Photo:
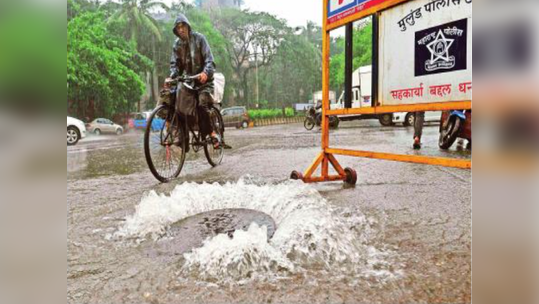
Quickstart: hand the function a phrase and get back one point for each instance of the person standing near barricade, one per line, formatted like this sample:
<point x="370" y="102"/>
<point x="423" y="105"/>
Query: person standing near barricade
<point x="419" y="119"/>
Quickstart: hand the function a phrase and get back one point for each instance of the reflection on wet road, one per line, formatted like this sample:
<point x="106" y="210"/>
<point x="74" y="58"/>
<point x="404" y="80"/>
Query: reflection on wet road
<point x="401" y="235"/>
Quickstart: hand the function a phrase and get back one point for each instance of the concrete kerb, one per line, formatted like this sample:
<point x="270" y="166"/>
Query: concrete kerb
<point x="277" y="121"/>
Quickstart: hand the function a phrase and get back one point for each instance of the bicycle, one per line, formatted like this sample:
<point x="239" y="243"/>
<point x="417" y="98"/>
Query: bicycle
<point x="168" y="136"/>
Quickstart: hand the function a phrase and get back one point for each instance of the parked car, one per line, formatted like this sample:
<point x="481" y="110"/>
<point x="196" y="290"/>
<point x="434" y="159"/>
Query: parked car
<point x="102" y="125"/>
<point x="140" y="121"/>
<point x="408" y="119"/>
<point x="236" y="117"/>
<point x="75" y="131"/>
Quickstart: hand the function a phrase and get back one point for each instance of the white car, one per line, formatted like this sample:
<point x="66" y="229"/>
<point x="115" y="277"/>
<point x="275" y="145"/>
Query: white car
<point x="408" y="119"/>
<point x="75" y="131"/>
<point x="103" y="125"/>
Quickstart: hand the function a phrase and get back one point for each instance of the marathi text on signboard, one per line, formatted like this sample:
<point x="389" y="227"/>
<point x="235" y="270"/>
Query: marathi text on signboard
<point x="426" y="52"/>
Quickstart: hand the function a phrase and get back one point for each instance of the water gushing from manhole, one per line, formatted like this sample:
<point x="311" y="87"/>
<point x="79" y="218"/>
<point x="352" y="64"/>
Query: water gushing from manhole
<point x="191" y="232"/>
<point x="311" y="235"/>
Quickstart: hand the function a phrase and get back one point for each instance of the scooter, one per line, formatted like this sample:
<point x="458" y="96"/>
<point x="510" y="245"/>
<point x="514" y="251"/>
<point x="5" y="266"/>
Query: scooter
<point x="455" y="124"/>
<point x="314" y="117"/>
<point x="333" y="120"/>
<point x="310" y="119"/>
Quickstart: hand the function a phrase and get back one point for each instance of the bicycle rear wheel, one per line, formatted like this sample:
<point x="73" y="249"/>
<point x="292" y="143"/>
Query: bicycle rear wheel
<point x="165" y="144"/>
<point x="215" y="155"/>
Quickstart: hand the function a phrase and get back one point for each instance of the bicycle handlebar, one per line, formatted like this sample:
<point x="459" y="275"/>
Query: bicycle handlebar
<point x="184" y="80"/>
<point x="188" y="78"/>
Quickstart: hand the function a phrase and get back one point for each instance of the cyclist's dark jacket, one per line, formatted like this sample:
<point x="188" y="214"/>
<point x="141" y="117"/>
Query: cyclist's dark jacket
<point x="192" y="57"/>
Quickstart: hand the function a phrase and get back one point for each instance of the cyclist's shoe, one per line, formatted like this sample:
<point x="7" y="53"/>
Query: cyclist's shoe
<point x="417" y="143"/>
<point x="215" y="140"/>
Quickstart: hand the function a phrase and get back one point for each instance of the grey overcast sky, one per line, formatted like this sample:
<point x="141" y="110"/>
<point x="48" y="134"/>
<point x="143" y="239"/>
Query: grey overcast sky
<point x="296" y="12"/>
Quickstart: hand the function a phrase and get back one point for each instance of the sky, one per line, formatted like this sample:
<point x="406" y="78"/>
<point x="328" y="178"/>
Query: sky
<point x="295" y="12"/>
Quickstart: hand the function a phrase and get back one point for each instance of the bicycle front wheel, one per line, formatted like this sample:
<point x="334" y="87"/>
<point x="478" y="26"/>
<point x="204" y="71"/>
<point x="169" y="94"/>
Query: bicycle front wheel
<point x="215" y="155"/>
<point x="165" y="144"/>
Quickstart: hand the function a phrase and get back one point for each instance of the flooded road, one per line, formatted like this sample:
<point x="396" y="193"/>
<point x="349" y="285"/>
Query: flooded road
<point x="401" y="235"/>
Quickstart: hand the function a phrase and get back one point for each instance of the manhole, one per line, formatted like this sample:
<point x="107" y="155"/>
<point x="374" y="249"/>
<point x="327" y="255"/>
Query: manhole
<point x="191" y="232"/>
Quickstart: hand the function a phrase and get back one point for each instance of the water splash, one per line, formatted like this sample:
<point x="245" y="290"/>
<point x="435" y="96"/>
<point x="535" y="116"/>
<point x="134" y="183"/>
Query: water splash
<point x="247" y="255"/>
<point x="310" y="234"/>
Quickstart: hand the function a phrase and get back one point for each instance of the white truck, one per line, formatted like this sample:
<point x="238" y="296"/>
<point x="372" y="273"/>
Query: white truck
<point x="317" y="97"/>
<point x="361" y="97"/>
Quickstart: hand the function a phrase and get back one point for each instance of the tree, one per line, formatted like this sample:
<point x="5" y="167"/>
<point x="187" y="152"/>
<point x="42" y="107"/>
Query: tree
<point x="140" y="26"/>
<point x="252" y="42"/>
<point x="313" y="34"/>
<point x="362" y="54"/>
<point x="136" y="14"/>
<point x="102" y="69"/>
<point x="296" y="72"/>
<point x="31" y="59"/>
<point x="74" y="7"/>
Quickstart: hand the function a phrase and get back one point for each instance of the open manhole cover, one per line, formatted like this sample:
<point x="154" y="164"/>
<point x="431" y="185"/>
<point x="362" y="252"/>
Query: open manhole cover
<point x="190" y="233"/>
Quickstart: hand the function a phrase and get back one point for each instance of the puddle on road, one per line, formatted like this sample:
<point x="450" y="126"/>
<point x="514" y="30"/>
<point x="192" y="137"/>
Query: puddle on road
<point x="312" y="238"/>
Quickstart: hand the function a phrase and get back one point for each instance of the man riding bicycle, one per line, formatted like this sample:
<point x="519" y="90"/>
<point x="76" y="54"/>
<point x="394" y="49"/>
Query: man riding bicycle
<point x="191" y="55"/>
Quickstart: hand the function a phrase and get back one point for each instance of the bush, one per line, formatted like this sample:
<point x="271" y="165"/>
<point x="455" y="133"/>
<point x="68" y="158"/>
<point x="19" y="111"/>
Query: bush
<point x="270" y="113"/>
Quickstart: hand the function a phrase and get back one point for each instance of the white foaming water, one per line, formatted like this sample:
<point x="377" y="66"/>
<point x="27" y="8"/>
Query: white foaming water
<point x="246" y="255"/>
<point x="310" y="234"/>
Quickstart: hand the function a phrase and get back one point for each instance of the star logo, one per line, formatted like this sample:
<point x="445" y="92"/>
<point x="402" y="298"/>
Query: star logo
<point x="442" y="48"/>
<point x="439" y="48"/>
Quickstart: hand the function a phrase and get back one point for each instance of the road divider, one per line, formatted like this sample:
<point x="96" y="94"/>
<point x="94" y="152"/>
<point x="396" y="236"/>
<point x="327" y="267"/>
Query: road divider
<point x="276" y="121"/>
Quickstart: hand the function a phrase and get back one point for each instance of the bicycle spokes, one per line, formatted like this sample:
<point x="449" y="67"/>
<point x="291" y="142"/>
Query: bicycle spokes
<point x="164" y="145"/>
<point x="214" y="147"/>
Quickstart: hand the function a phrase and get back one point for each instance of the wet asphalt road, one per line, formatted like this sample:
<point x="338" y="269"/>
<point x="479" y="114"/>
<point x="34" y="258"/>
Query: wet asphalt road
<point x="424" y="212"/>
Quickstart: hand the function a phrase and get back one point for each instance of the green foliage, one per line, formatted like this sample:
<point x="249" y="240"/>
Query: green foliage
<point x="289" y="112"/>
<point x="31" y="57"/>
<point x="252" y="41"/>
<point x="270" y="113"/>
<point x="263" y="104"/>
<point x="203" y="24"/>
<point x="264" y="61"/>
<point x="362" y="53"/>
<point x="102" y="69"/>
<point x="75" y="7"/>
<point x="295" y="73"/>
<point x="136" y="15"/>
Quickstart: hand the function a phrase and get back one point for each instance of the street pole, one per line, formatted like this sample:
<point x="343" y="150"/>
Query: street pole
<point x="256" y="68"/>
